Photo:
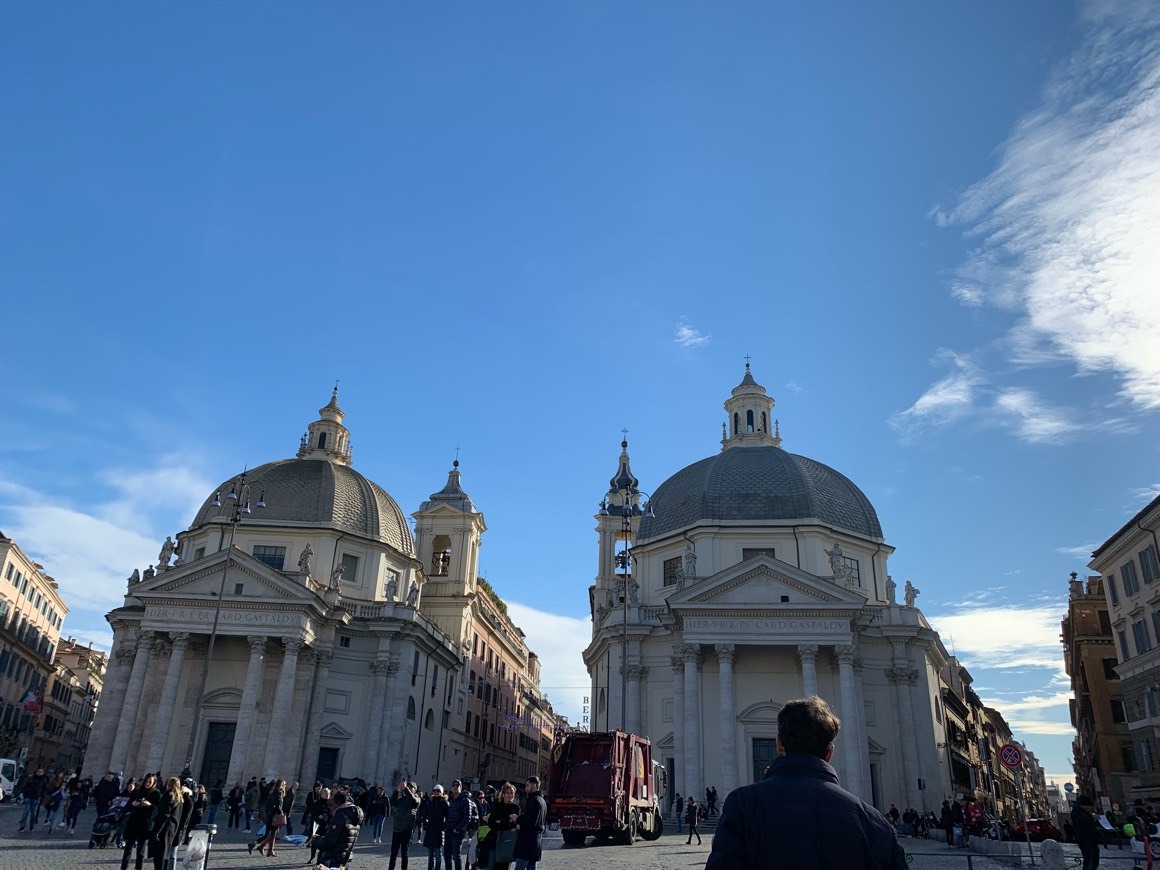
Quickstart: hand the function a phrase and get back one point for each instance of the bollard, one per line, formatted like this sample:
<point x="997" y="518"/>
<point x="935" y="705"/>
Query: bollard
<point x="970" y="863"/>
<point x="197" y="852"/>
<point x="1052" y="854"/>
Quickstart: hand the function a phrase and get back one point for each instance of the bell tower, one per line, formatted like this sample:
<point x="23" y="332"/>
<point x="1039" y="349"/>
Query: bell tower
<point x="448" y="535"/>
<point x="750" y="420"/>
<point x="617" y="524"/>
<point x="326" y="438"/>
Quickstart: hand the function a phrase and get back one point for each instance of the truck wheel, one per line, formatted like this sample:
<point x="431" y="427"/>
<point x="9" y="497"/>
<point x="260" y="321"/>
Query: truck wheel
<point x="654" y="831"/>
<point x="630" y="834"/>
<point x="574" y="838"/>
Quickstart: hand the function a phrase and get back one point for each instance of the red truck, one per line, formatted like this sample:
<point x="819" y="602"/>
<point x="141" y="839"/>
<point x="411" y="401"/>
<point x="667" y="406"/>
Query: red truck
<point x="606" y="785"/>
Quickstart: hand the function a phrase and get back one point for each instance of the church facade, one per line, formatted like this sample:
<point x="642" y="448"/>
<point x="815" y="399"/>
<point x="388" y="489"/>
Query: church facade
<point x="749" y="578"/>
<point x="304" y="632"/>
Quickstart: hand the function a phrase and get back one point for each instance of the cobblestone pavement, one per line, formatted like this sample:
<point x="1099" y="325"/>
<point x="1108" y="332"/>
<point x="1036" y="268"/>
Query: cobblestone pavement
<point x="59" y="851"/>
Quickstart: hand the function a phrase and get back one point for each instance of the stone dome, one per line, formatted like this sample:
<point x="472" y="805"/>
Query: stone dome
<point x="759" y="484"/>
<point x="317" y="493"/>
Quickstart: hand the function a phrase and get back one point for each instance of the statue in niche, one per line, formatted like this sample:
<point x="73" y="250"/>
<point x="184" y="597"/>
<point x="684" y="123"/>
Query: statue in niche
<point x="413" y="595"/>
<point x="304" y="559"/>
<point x="910" y="593"/>
<point x="690" y="562"/>
<point x="166" y="553"/>
<point x="135" y="577"/>
<point x="392" y="587"/>
<point x="837" y="566"/>
<point x="600" y="611"/>
<point x="891" y="586"/>
<point x="633" y="589"/>
<point x="336" y="576"/>
<point x="148" y="575"/>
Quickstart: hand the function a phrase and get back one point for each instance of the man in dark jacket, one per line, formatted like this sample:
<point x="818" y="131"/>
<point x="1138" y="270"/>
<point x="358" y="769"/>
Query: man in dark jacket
<point x="462" y="817"/>
<point x="32" y="793"/>
<point x="342" y="831"/>
<point x="532" y="821"/>
<point x="404" y="809"/>
<point x="1086" y="831"/>
<point x="104" y="792"/>
<point x="798" y="816"/>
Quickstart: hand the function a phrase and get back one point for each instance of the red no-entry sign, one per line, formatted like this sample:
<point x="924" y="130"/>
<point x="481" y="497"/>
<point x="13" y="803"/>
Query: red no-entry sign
<point x="1010" y="755"/>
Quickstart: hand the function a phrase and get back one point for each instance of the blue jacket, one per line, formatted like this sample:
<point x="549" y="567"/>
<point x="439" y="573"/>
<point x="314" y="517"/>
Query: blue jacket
<point x="798" y="816"/>
<point x="462" y="816"/>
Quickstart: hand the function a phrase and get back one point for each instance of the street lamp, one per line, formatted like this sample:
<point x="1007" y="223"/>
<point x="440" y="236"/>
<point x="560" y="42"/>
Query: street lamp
<point x="239" y="494"/>
<point x="624" y="563"/>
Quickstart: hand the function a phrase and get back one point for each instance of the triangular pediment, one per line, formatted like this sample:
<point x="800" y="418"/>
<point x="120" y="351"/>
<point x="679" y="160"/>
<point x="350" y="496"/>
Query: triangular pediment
<point x="761" y="583"/>
<point x="335" y="731"/>
<point x="203" y="580"/>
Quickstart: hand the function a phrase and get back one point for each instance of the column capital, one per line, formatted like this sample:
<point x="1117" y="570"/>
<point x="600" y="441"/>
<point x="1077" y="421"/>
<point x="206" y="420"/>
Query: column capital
<point x="146" y="639"/>
<point x="807" y="652"/>
<point x="678" y="664"/>
<point x="380" y="668"/>
<point x="392" y="667"/>
<point x="257" y="643"/>
<point x="726" y="652"/>
<point x="323" y="657"/>
<point x="845" y="654"/>
<point x="691" y="652"/>
<point x="908" y="676"/>
<point x="180" y="640"/>
<point x="124" y="654"/>
<point x="635" y="672"/>
<point x="292" y="645"/>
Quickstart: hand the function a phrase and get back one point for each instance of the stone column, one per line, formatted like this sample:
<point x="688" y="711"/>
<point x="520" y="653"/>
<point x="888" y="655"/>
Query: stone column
<point x="725" y="655"/>
<point x="247" y="709"/>
<point x="867" y="781"/>
<point x="373" y="747"/>
<point x="397" y="702"/>
<point x="852" y="741"/>
<point x="678" y="664"/>
<point x="110" y="709"/>
<point x="692" y="657"/>
<point x="309" y="766"/>
<point x="127" y="716"/>
<point x="159" y="726"/>
<point x="633" y="717"/>
<point x="808" y="655"/>
<point x="383" y="771"/>
<point x="903" y="678"/>
<point x="275" y="760"/>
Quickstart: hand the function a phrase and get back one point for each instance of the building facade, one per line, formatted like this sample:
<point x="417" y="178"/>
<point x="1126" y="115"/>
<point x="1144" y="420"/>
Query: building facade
<point x="1129" y="567"/>
<point x="31" y="615"/>
<point x="299" y="596"/>
<point x="70" y="703"/>
<point x="1102" y="750"/>
<point x="752" y="577"/>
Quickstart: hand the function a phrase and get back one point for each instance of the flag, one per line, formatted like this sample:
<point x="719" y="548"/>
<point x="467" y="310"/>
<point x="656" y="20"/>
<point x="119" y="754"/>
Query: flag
<point x="33" y="703"/>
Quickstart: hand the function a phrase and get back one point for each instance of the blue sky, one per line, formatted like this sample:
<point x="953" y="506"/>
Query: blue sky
<point x="516" y="229"/>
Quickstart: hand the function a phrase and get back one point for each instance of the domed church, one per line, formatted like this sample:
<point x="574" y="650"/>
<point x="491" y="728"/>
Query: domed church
<point x="304" y="632"/>
<point x="749" y="578"/>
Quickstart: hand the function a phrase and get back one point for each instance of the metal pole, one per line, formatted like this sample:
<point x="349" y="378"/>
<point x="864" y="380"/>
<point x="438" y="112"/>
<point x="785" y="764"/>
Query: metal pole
<point x="625" y="528"/>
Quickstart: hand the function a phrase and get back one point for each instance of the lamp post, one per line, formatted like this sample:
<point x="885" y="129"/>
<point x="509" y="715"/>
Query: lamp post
<point x="624" y="563"/>
<point x="239" y="494"/>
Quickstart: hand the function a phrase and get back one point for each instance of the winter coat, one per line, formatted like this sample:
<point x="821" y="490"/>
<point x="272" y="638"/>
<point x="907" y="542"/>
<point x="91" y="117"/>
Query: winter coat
<point x="271" y="808"/>
<point x="35" y="788"/>
<point x="341" y="833"/>
<point x="461" y="814"/>
<point x="253" y="796"/>
<point x="435" y="819"/>
<point x="139" y="821"/>
<point x="166" y="825"/>
<point x="377" y="806"/>
<point x="404" y="809"/>
<point x="1084" y="828"/>
<point x="532" y="821"/>
<point x="798" y="816"/>
<point x="692" y="814"/>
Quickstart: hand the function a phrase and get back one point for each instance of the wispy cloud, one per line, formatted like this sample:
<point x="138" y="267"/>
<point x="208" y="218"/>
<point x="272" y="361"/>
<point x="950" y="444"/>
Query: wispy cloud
<point x="1081" y="551"/>
<point x="795" y="388"/>
<point x="1004" y="635"/>
<point x="1068" y="220"/>
<point x="1146" y="493"/>
<point x="558" y="641"/>
<point x="1034" y="420"/>
<point x="688" y="336"/>
<point x="948" y="400"/>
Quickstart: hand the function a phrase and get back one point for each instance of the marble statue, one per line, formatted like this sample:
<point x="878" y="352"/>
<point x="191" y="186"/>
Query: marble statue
<point x="336" y="576"/>
<point x="392" y="588"/>
<point x="890" y="587"/>
<point x="135" y="577"/>
<point x="633" y="589"/>
<point x="910" y="593"/>
<point x="166" y="553"/>
<point x="148" y="575"/>
<point x="413" y="595"/>
<point x="690" y="562"/>
<point x="304" y="559"/>
<point x="837" y="566"/>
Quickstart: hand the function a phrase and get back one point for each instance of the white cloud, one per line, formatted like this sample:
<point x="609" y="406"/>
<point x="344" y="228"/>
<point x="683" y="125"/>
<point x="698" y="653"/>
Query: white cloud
<point x="559" y="642"/>
<point x="1067" y="222"/>
<point x="1034" y="420"/>
<point x="795" y="388"/>
<point x="1005" y="635"/>
<point x="946" y="401"/>
<point x="1083" y="551"/>
<point x="687" y="336"/>
<point x="1146" y="493"/>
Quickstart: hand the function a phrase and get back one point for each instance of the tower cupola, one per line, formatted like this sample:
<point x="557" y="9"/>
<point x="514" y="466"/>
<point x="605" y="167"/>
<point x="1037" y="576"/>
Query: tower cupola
<point x="326" y="438"/>
<point x="750" y="416"/>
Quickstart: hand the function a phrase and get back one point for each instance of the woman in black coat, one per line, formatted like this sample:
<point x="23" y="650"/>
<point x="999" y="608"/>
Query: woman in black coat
<point x="166" y="823"/>
<point x="503" y="816"/>
<point x="143" y="800"/>
<point x="435" y="820"/>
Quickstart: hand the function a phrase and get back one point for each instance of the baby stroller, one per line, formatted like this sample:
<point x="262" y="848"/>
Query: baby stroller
<point x="107" y="823"/>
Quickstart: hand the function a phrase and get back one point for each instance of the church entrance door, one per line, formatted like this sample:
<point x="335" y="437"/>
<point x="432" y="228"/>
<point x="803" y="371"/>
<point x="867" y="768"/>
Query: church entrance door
<point x="764" y="752"/>
<point x="327" y="765"/>
<point x="215" y="762"/>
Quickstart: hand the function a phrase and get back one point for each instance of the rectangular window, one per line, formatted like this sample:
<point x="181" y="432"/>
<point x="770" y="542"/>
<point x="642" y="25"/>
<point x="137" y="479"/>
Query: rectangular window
<point x="1105" y="623"/>
<point x="415" y="669"/>
<point x="199" y="553"/>
<point x="344" y="641"/>
<point x="8" y="573"/>
<point x="1110" y="670"/>
<point x="1140" y="635"/>
<point x="1153" y="709"/>
<point x="672" y="571"/>
<point x="475" y="646"/>
<point x="1128" y="758"/>
<point x="349" y="568"/>
<point x="471" y="684"/>
<point x="1123" y="638"/>
<point x="1149" y="565"/>
<point x="1144" y="755"/>
<point x="1110" y="582"/>
<point x="1128" y="575"/>
<point x="1118" y="714"/>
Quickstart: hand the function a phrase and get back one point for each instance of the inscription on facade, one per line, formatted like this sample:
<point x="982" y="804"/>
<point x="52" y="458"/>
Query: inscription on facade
<point x="228" y="617"/>
<point x="766" y="626"/>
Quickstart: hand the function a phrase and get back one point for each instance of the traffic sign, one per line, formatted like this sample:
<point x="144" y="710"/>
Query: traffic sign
<point x="1068" y="787"/>
<point x="1010" y="755"/>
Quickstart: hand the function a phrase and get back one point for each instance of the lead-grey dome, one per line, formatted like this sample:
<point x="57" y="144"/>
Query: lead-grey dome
<point x="315" y="492"/>
<point x="759" y="483"/>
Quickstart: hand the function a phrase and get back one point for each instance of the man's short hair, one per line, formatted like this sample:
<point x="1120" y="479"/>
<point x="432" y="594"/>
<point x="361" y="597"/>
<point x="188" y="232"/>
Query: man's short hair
<point x="1085" y="801"/>
<point x="807" y="725"/>
<point x="534" y="780"/>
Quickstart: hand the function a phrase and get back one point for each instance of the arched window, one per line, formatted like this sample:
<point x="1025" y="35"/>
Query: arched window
<point x="321" y="440"/>
<point x="748" y="421"/>
<point x="429" y="720"/>
<point x="736" y="424"/>
<point x="411" y="709"/>
<point x="764" y="425"/>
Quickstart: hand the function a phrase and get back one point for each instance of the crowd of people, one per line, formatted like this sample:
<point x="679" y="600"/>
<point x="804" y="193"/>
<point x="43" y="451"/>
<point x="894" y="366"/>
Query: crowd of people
<point x="147" y="816"/>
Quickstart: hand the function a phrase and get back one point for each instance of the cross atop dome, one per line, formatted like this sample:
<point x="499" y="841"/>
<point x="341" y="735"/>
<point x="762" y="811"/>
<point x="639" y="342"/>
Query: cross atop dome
<point x="326" y="438"/>
<point x="750" y="415"/>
